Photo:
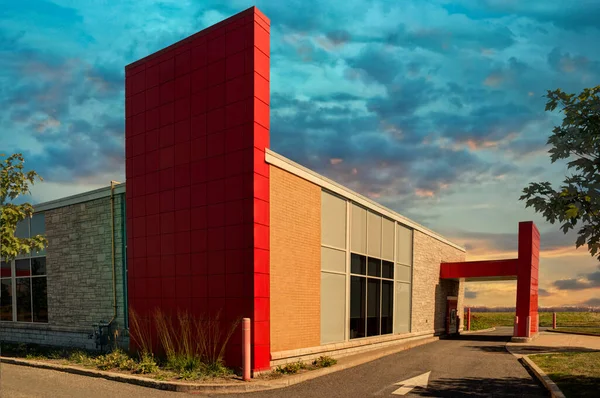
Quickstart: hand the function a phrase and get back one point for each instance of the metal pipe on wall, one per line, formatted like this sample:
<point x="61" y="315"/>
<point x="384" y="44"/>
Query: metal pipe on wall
<point x="112" y="240"/>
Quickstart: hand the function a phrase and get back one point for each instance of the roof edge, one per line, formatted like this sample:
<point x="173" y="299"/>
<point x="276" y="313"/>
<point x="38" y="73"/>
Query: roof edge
<point x="286" y="164"/>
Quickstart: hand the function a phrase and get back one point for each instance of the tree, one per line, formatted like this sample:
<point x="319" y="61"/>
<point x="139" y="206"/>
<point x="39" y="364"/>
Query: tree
<point x="14" y="182"/>
<point x="576" y="203"/>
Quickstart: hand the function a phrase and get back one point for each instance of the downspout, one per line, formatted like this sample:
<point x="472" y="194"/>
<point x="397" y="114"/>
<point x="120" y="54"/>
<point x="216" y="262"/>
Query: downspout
<point x="124" y="261"/>
<point x="112" y="244"/>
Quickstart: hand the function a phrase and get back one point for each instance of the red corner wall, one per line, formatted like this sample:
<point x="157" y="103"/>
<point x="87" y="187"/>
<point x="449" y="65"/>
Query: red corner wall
<point x="197" y="125"/>
<point x="527" y="278"/>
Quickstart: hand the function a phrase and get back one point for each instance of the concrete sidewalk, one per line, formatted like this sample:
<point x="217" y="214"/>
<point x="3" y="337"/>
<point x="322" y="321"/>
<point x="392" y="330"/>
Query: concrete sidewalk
<point x="555" y="342"/>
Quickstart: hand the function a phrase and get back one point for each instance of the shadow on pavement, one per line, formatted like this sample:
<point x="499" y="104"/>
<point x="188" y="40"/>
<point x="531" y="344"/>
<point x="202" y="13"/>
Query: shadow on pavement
<point x="532" y="349"/>
<point x="483" y="337"/>
<point x="482" y="387"/>
<point x="489" y="348"/>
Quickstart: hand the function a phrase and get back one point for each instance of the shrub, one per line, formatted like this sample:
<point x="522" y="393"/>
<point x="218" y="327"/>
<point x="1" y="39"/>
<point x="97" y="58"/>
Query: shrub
<point x="324" y="361"/>
<point x="115" y="360"/>
<point x="146" y="365"/>
<point x="290" y="368"/>
<point x="81" y="357"/>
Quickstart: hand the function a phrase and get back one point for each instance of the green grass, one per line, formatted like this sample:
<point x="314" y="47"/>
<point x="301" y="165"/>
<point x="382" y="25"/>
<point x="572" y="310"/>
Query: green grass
<point x="577" y="374"/>
<point x="595" y="331"/>
<point x="485" y="320"/>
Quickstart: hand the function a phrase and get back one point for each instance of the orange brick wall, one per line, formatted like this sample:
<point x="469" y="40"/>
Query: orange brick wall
<point x="295" y="262"/>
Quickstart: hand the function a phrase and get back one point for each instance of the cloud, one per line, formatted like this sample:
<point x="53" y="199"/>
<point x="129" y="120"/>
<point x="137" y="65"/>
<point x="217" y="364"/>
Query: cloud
<point x="544" y="293"/>
<point x="469" y="294"/>
<point x="585" y="281"/>
<point x="594" y="302"/>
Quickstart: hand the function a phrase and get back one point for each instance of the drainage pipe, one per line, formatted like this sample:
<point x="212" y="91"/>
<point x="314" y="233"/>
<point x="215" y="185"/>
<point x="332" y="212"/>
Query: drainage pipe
<point x="112" y="243"/>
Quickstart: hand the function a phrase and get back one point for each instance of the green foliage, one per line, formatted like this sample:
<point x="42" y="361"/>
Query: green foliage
<point x="577" y="201"/>
<point x="146" y="365"/>
<point x="324" y="361"/>
<point x="14" y="182"/>
<point x="116" y="359"/>
<point x="291" y="368"/>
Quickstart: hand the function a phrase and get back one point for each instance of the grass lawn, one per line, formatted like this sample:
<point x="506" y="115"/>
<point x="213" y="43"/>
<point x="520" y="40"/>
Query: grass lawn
<point x="593" y="331"/>
<point x="565" y="320"/>
<point x="577" y="374"/>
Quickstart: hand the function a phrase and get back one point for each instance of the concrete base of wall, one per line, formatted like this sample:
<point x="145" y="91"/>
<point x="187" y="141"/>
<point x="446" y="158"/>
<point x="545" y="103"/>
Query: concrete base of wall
<point x="341" y="350"/>
<point x="52" y="336"/>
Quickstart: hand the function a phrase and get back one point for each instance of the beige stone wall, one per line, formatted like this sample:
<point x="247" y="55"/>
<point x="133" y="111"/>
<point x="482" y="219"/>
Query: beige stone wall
<point x="429" y="293"/>
<point x="295" y="262"/>
<point x="79" y="276"/>
<point x="80" y="291"/>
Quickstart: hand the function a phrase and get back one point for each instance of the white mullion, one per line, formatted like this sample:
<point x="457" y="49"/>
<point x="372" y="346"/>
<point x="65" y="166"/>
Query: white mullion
<point x="347" y="269"/>
<point x="367" y="273"/>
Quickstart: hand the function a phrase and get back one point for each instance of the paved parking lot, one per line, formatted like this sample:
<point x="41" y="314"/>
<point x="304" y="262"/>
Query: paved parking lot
<point x="473" y="365"/>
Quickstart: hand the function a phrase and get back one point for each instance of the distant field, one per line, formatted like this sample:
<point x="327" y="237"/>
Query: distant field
<point x="570" y="320"/>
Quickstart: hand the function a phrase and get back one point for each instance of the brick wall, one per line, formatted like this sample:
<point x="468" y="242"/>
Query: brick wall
<point x="429" y="292"/>
<point x="79" y="275"/>
<point x="295" y="262"/>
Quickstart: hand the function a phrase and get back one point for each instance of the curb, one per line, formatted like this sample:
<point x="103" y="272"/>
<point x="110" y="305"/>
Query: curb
<point x="478" y="331"/>
<point x="577" y="333"/>
<point x="240" y="387"/>
<point x="142" y="381"/>
<point x="555" y="392"/>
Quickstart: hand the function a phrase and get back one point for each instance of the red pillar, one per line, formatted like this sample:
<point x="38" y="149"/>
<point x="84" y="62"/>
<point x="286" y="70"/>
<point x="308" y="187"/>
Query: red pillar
<point x="554" y="320"/>
<point x="197" y="126"/>
<point x="527" y="278"/>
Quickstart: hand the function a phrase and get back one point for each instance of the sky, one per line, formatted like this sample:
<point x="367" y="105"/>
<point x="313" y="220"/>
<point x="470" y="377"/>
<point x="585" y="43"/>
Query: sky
<point x="432" y="108"/>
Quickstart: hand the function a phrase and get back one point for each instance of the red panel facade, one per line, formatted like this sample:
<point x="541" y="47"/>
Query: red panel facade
<point x="525" y="268"/>
<point x="527" y="282"/>
<point x="479" y="269"/>
<point x="197" y="126"/>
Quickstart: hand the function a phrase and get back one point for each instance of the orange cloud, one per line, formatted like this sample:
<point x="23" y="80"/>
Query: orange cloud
<point x="335" y="161"/>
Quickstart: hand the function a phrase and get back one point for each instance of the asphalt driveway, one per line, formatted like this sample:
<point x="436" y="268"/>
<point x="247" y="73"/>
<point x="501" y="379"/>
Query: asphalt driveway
<point x="473" y="365"/>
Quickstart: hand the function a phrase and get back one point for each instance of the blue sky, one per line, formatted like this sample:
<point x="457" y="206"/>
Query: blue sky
<point x="433" y="108"/>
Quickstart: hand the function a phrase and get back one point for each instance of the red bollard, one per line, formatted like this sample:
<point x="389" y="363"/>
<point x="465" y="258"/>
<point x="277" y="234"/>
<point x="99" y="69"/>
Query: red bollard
<point x="246" y="349"/>
<point x="554" y="320"/>
<point x="468" y="319"/>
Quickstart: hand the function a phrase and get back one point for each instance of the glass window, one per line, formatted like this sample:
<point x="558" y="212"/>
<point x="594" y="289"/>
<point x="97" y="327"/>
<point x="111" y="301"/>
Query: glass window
<point x="5" y="271"/>
<point x="40" y="299"/>
<point x="6" y="298"/>
<point x="333" y="260"/>
<point x="22" y="267"/>
<point x="374" y="267"/>
<point x="38" y="224"/>
<point x="357" y="306"/>
<point x="358" y="237"/>
<point x="22" y="230"/>
<point x="387" y="269"/>
<point x="359" y="264"/>
<point x="387" y="306"/>
<point x="333" y="220"/>
<point x="402" y="318"/>
<point x="38" y="266"/>
<point x="333" y="307"/>
<point x="404" y="244"/>
<point x="373" y="303"/>
<point x="23" y="299"/>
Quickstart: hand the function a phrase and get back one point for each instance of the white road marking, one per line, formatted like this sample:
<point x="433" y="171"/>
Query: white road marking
<point x="408" y="385"/>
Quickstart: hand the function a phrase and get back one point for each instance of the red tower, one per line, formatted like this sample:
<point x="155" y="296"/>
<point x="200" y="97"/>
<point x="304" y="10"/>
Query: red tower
<point x="197" y="125"/>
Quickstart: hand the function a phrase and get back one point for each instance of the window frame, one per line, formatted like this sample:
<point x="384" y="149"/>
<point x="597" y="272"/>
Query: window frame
<point x="14" y="278"/>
